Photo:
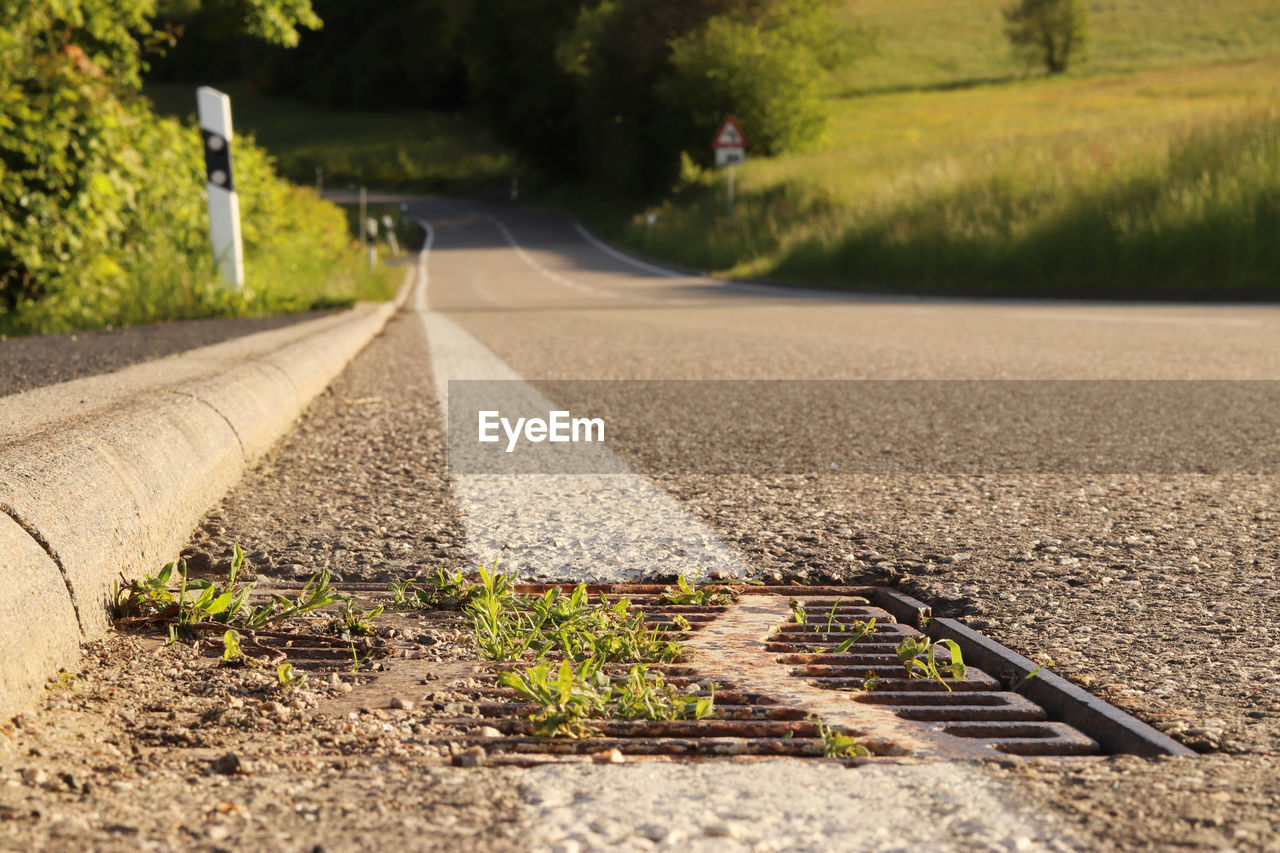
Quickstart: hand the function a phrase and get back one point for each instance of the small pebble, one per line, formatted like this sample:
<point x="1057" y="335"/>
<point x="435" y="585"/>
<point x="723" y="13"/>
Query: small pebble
<point x="401" y="704"/>
<point x="473" y="757"/>
<point x="227" y="765"/>
<point x="720" y="830"/>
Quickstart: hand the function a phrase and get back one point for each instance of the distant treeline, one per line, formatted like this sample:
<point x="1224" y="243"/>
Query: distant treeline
<point x="612" y="91"/>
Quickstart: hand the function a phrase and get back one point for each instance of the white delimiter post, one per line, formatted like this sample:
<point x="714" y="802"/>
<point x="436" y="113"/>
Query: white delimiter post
<point x="224" y="205"/>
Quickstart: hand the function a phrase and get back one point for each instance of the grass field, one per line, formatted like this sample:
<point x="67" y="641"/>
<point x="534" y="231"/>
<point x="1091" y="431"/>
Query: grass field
<point x="412" y="150"/>
<point x="1152" y="168"/>
<point x="931" y="43"/>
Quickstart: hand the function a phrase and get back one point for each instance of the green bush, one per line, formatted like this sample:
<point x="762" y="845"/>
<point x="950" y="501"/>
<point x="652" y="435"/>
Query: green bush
<point x="102" y="206"/>
<point x="770" y="84"/>
<point x="654" y="79"/>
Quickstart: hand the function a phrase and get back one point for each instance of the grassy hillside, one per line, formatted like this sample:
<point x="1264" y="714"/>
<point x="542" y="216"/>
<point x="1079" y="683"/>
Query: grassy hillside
<point x="1152" y="168"/>
<point x="926" y="43"/>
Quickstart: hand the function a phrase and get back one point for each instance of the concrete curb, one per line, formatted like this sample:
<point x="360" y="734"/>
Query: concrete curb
<point x="108" y="475"/>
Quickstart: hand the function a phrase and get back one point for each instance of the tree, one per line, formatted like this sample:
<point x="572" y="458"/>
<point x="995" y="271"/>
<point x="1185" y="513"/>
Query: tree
<point x="1048" y="32"/>
<point x="654" y="78"/>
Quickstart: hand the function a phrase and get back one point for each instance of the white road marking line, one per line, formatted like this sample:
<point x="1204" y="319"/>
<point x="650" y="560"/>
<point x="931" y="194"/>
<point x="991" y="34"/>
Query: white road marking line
<point x="420" y="292"/>
<point x="571" y="284"/>
<point x="610" y="526"/>
<point x="544" y="271"/>
<point x="636" y="262"/>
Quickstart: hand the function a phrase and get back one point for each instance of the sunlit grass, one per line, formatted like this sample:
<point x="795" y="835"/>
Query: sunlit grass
<point x="410" y="149"/>
<point x="1160" y="182"/>
<point x="950" y="42"/>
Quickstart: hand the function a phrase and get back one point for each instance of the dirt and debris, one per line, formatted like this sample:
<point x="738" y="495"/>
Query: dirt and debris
<point x="155" y="746"/>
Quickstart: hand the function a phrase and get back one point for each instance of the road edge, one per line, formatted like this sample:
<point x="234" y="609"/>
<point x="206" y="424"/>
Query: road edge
<point x="119" y="490"/>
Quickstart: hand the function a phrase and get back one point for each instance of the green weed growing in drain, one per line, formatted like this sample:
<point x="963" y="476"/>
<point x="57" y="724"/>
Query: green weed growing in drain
<point x="693" y="593"/>
<point x="857" y="631"/>
<point x="354" y="622"/>
<point x="573" y="697"/>
<point x="508" y="626"/>
<point x="288" y="679"/>
<point x="798" y="613"/>
<point x="836" y="744"/>
<point x="918" y="658"/>
<point x="444" y="591"/>
<point x="645" y="695"/>
<point x="317" y="593"/>
<point x="201" y="604"/>
<point x="232" y="654"/>
<point x="567" y="700"/>
<point x="1032" y="674"/>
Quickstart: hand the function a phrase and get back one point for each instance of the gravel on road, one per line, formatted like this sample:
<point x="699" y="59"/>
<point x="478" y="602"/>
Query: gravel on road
<point x="359" y="487"/>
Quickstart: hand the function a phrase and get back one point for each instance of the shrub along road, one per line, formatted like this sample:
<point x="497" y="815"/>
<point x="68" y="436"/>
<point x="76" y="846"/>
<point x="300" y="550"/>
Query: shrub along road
<point x="1153" y="585"/>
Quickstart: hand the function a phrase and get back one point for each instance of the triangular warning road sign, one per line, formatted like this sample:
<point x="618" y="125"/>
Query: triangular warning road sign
<point x="729" y="135"/>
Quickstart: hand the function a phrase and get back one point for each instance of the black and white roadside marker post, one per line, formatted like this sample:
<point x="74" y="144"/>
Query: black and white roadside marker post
<point x="363" y="218"/>
<point x="224" y="205"/>
<point x="392" y="243"/>
<point x="731" y="150"/>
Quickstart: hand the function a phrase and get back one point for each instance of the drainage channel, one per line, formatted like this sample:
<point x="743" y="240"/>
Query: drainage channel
<point x="782" y="667"/>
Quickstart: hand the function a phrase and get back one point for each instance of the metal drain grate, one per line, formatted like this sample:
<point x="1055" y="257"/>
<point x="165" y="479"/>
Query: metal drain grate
<point x="777" y="678"/>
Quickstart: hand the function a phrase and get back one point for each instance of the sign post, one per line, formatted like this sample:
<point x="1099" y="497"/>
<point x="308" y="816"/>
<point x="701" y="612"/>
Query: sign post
<point x="731" y="150"/>
<point x="224" y="205"/>
<point x="392" y="243"/>
<point x="371" y="231"/>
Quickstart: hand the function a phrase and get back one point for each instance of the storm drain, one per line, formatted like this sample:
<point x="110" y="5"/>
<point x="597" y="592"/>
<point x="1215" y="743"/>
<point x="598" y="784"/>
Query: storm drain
<point x="784" y="671"/>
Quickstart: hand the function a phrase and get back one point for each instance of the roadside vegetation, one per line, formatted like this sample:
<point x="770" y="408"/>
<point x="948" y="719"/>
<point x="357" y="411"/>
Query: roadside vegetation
<point x="1149" y="169"/>
<point x="406" y="150"/>
<point x="1161" y="184"/>
<point x="102" y="207"/>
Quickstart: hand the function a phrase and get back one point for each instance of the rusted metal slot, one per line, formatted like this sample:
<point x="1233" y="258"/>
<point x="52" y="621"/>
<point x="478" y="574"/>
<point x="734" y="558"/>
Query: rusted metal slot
<point x="964" y="713"/>
<point x="808" y="648"/>
<point x="631" y="729"/>
<point x="708" y="746"/>
<point x="1020" y="730"/>
<point x="913" y="697"/>
<point x="812" y="634"/>
<point x="973" y="680"/>
<point x="853" y="657"/>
